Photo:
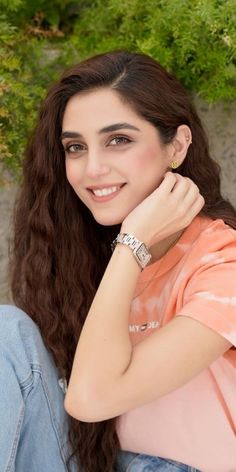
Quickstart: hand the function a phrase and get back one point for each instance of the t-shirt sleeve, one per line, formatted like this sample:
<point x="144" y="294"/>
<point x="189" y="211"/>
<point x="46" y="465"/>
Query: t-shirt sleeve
<point x="210" y="294"/>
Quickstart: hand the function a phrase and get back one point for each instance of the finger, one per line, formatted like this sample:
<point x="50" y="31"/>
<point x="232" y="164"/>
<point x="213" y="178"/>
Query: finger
<point x="191" y="195"/>
<point x="168" y="182"/>
<point x="196" y="207"/>
<point x="182" y="187"/>
<point x="190" y="200"/>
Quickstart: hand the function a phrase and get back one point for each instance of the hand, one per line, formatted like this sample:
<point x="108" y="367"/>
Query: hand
<point x="170" y="208"/>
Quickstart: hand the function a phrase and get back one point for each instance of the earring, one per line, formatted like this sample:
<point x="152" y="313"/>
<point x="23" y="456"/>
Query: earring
<point x="174" y="164"/>
<point x="187" y="139"/>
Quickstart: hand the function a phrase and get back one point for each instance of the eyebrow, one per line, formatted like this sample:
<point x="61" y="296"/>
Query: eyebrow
<point x="107" y="129"/>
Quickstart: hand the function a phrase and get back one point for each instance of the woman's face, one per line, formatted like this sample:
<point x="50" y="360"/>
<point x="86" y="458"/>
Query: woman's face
<point x="114" y="158"/>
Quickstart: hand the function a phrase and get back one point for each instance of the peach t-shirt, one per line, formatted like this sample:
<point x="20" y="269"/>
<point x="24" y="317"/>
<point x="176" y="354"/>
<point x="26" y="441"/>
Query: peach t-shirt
<point x="195" y="424"/>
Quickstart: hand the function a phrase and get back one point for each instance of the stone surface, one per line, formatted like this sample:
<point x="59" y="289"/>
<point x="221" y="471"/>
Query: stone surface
<point x="7" y="196"/>
<point x="220" y="123"/>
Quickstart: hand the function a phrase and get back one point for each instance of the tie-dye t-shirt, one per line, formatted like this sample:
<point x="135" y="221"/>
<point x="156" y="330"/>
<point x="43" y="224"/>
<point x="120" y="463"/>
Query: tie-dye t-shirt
<point x="195" y="424"/>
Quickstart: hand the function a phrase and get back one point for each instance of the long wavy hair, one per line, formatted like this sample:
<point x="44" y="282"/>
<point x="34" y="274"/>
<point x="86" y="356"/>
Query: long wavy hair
<point x="60" y="252"/>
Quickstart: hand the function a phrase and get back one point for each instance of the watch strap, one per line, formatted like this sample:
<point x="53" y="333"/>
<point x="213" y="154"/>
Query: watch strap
<point x="139" y="249"/>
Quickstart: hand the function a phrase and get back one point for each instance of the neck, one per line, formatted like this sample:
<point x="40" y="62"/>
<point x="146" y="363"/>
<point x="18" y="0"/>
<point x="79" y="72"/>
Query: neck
<point x="159" y="249"/>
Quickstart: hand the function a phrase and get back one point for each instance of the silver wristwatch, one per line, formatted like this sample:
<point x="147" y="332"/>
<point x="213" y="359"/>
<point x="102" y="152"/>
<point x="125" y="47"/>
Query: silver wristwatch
<point x="139" y="249"/>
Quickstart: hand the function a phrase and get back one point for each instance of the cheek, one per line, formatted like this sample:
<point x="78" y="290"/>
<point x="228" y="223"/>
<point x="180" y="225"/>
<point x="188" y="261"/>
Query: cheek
<point x="148" y="158"/>
<point x="72" y="173"/>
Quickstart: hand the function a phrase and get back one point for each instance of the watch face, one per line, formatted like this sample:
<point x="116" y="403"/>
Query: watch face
<point x="143" y="255"/>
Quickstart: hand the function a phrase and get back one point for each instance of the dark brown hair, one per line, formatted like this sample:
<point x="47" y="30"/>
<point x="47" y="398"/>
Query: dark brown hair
<point x="60" y="252"/>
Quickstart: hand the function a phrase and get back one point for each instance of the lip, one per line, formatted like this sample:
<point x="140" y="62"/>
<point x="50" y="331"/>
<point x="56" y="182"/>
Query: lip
<point x="105" y="198"/>
<point x="99" y="187"/>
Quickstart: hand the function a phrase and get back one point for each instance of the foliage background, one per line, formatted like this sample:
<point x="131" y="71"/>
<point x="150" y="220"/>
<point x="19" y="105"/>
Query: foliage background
<point x="195" y="39"/>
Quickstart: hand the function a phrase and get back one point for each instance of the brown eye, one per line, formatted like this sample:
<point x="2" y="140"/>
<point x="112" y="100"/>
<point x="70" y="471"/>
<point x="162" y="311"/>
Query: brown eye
<point x="118" y="140"/>
<point x="74" y="148"/>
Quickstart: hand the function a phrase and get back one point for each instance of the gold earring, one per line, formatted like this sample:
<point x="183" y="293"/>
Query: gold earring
<point x="174" y="164"/>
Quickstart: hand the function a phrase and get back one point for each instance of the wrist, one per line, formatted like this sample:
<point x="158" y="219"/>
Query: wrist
<point x="139" y="249"/>
<point x="137" y="233"/>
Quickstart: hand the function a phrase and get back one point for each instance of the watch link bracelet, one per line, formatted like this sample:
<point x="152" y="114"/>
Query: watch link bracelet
<point x="139" y="249"/>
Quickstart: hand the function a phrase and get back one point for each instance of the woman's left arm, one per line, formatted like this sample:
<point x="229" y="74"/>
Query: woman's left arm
<point x="109" y="376"/>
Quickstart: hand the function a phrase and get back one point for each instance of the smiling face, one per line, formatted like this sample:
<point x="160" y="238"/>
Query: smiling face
<point x="114" y="158"/>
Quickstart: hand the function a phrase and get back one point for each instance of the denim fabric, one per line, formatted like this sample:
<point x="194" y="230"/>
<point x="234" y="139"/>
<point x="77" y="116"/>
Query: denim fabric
<point x="33" y="422"/>
<point x="132" y="462"/>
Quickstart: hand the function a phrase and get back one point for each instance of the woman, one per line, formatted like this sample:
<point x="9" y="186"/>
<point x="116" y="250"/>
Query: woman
<point x="154" y="321"/>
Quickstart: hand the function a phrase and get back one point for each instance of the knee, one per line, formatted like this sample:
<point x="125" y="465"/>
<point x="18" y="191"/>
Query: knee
<point x="18" y="333"/>
<point x="12" y="321"/>
<point x="20" y="339"/>
<point x="14" y="326"/>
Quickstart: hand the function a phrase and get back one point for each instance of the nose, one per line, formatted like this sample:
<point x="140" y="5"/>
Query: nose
<point x="96" y="166"/>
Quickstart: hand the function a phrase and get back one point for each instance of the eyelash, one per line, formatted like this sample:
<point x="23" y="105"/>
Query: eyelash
<point x="124" y="139"/>
<point x="68" y="148"/>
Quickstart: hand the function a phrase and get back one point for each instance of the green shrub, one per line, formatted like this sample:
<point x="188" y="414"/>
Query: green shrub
<point x="195" y="39"/>
<point x="30" y="61"/>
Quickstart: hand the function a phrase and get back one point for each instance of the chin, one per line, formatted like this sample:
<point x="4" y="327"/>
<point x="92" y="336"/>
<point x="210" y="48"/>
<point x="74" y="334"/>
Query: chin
<point x="110" y="220"/>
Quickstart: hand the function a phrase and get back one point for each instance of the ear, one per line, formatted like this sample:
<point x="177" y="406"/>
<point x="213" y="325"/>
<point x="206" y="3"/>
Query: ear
<point x="178" y="147"/>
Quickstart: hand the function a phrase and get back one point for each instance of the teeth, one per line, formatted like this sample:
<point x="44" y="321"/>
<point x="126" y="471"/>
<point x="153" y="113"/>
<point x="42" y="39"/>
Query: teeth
<point x="105" y="191"/>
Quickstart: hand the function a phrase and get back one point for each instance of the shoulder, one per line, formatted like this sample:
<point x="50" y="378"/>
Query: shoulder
<point x="209" y="292"/>
<point x="210" y="242"/>
<point x="218" y="229"/>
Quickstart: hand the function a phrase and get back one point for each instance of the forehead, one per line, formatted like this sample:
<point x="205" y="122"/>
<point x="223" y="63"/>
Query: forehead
<point x="98" y="105"/>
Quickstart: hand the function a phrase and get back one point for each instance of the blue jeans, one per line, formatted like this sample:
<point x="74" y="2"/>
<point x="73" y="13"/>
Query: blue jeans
<point x="132" y="462"/>
<point x="33" y="422"/>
